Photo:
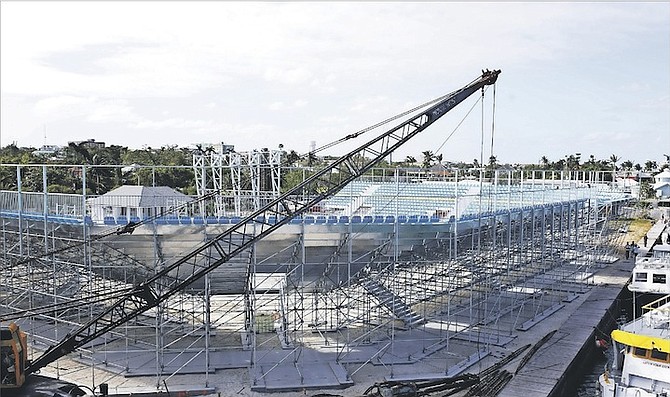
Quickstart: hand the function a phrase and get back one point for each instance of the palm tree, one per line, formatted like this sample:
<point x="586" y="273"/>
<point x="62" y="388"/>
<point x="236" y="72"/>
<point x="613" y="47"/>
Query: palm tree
<point x="650" y="165"/>
<point x="544" y="161"/>
<point x="428" y="157"/>
<point x="614" y="159"/>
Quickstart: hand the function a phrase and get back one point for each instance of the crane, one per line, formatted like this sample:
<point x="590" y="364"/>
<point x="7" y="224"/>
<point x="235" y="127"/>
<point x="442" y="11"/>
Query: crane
<point x="176" y="276"/>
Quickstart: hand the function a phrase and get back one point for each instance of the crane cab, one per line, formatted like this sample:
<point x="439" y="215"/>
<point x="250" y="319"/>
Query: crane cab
<point x="13" y="356"/>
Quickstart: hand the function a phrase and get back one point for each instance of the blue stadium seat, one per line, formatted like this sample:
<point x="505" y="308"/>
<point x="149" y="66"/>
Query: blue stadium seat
<point x="211" y="220"/>
<point x="122" y="220"/>
<point x="109" y="220"/>
<point x="198" y="220"/>
<point x="343" y="219"/>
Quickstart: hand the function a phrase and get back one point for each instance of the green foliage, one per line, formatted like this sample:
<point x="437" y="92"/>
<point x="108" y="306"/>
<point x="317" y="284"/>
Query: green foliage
<point x="103" y="168"/>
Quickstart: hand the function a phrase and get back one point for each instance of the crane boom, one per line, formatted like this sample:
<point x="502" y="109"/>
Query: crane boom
<point x="175" y="277"/>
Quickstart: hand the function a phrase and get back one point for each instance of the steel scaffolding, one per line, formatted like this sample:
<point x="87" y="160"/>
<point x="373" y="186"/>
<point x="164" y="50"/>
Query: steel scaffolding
<point x="357" y="283"/>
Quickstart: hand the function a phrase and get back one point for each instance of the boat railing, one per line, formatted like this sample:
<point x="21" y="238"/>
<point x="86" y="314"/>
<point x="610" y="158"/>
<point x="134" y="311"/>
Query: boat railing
<point x="658" y="312"/>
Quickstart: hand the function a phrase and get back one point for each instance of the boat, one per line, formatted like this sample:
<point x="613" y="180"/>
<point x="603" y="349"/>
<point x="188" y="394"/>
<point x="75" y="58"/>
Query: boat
<point x="652" y="274"/>
<point x="641" y="348"/>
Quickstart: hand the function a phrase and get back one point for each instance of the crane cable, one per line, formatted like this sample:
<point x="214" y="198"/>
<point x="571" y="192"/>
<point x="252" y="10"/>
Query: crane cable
<point x="493" y="119"/>
<point x="444" y="142"/>
<point x="379" y="124"/>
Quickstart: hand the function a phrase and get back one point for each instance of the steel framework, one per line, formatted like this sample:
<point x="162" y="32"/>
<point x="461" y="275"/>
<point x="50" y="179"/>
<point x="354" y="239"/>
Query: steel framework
<point x="407" y="298"/>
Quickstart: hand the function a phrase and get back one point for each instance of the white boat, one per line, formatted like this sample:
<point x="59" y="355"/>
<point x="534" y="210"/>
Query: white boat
<point x="641" y="365"/>
<point x="652" y="274"/>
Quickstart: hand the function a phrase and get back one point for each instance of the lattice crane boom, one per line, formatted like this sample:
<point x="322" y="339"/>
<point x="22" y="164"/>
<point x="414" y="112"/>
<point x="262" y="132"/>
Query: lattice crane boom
<point x="175" y="277"/>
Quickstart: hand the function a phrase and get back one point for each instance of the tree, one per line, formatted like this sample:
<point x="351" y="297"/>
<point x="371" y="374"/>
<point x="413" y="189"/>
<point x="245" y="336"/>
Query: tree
<point x="614" y="159"/>
<point x="544" y="162"/>
<point x="428" y="158"/>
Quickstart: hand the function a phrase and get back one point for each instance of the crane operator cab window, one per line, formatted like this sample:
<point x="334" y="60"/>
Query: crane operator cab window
<point x="12" y="357"/>
<point x="7" y="365"/>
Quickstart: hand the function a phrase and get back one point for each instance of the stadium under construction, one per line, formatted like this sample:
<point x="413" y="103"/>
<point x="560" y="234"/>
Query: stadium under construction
<point x="415" y="274"/>
<point x="349" y="276"/>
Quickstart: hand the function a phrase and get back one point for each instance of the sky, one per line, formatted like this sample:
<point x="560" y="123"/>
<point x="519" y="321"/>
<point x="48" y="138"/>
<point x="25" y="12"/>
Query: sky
<point x="584" y="77"/>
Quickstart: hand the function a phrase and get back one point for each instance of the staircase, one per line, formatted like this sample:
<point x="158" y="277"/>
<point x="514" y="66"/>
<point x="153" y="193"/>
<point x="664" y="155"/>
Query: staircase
<point x="394" y="303"/>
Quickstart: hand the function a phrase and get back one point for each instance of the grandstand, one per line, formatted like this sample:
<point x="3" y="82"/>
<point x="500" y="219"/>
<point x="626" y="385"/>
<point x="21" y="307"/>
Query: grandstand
<point x="345" y="286"/>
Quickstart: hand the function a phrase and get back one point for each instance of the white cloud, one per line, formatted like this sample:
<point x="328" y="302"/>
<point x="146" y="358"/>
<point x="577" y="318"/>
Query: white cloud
<point x="288" y="76"/>
<point x="176" y="123"/>
<point x="279" y="106"/>
<point x="89" y="108"/>
<point x="214" y="65"/>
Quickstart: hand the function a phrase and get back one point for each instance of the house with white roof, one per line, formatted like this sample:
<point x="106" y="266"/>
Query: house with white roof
<point x="131" y="201"/>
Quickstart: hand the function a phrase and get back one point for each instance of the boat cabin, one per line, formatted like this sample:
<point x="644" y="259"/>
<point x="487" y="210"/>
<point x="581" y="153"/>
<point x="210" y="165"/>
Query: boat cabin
<point x="652" y="274"/>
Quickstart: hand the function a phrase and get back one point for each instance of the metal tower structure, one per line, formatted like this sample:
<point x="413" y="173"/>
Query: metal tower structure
<point x="252" y="178"/>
